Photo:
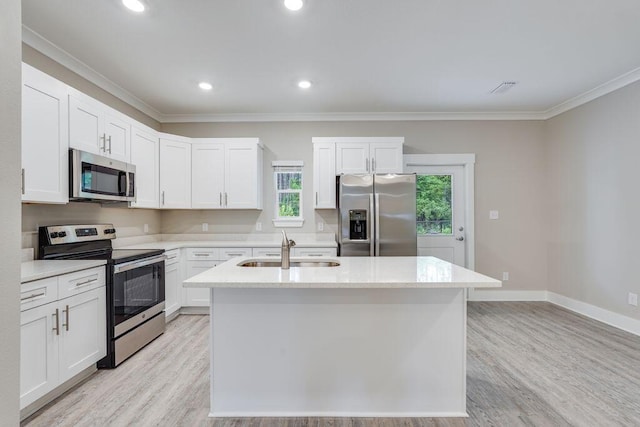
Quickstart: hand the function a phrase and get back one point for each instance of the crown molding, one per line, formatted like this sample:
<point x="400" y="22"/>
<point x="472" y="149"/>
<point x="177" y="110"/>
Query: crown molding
<point x="63" y="57"/>
<point x="604" y="89"/>
<point x="351" y="117"/>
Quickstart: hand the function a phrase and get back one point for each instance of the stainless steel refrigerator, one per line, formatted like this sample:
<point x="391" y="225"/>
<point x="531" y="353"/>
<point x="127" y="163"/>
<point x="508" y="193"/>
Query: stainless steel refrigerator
<point x="377" y="215"/>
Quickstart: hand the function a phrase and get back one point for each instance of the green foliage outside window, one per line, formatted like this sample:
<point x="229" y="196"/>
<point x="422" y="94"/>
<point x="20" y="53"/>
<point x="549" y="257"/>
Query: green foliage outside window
<point x="289" y="188"/>
<point x="433" y="204"/>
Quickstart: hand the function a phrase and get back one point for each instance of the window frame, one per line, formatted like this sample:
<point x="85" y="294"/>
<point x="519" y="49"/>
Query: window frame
<point x="287" y="166"/>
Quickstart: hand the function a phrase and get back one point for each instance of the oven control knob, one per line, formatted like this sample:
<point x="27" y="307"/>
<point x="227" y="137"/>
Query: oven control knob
<point x="53" y="235"/>
<point x="62" y="234"/>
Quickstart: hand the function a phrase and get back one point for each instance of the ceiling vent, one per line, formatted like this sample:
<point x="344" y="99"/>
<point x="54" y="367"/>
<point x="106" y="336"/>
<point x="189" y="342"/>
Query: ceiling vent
<point x="503" y="87"/>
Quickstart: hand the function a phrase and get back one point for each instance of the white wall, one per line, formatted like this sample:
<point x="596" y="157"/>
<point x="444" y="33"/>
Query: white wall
<point x="509" y="171"/>
<point x="594" y="201"/>
<point x="10" y="37"/>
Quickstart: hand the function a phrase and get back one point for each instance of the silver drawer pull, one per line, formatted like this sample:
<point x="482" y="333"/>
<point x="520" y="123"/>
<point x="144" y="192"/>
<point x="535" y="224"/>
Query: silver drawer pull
<point x="272" y="254"/>
<point x="315" y="254"/>
<point x="87" y="282"/>
<point x="33" y="296"/>
<point x="172" y="257"/>
<point x="235" y="254"/>
<point x="201" y="255"/>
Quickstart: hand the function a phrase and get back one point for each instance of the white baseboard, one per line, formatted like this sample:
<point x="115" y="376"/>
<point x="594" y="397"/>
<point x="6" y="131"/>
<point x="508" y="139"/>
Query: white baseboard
<point x="495" y="295"/>
<point x="611" y="318"/>
<point x="330" y="414"/>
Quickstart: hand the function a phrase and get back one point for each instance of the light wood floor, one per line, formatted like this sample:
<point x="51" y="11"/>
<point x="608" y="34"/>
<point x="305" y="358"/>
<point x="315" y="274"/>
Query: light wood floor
<point x="529" y="364"/>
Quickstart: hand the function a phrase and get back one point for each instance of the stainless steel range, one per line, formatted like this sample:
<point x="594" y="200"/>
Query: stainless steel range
<point x="135" y="284"/>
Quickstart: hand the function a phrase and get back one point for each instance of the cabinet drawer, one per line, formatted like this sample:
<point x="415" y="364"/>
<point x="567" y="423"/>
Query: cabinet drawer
<point x="37" y="293"/>
<point x="266" y="252"/>
<point x="80" y="281"/>
<point x="173" y="257"/>
<point x="228" y="253"/>
<point x="199" y="254"/>
<point x="314" y="252"/>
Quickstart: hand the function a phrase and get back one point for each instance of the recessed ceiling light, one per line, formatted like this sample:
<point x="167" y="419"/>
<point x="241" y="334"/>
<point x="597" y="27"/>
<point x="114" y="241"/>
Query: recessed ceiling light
<point x="304" y="84"/>
<point x="205" y="86"/>
<point x="293" y="4"/>
<point x="135" y="5"/>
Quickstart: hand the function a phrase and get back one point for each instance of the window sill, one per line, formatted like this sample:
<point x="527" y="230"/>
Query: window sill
<point x="288" y="222"/>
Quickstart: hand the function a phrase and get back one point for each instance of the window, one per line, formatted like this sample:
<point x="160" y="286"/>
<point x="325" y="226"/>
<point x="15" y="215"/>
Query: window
<point x="287" y="178"/>
<point x="433" y="204"/>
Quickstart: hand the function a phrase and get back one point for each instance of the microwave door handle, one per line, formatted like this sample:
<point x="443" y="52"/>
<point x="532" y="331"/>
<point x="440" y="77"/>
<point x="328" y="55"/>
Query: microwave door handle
<point x="128" y="184"/>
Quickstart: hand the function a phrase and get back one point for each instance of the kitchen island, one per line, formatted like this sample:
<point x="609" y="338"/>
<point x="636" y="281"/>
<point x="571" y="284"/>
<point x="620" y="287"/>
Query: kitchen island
<point x="373" y="336"/>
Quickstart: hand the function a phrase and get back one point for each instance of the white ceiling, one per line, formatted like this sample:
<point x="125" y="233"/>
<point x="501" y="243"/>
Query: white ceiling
<point x="363" y="56"/>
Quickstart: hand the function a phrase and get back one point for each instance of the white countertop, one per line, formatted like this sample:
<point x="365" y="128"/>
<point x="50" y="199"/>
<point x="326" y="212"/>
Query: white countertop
<point x="41" y="269"/>
<point x="353" y="272"/>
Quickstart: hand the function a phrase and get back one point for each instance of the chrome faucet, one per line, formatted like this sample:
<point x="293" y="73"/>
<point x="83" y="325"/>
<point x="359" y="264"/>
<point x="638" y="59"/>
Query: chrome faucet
<point x="285" y="255"/>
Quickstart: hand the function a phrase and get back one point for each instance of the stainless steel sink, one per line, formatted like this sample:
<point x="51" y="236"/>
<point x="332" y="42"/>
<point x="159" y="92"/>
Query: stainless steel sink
<point x="292" y="264"/>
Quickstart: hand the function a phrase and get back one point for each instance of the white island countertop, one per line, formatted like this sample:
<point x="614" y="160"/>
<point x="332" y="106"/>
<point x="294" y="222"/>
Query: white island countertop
<point x="353" y="272"/>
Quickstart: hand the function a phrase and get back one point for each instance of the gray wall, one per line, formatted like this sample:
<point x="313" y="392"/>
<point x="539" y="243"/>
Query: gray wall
<point x="594" y="203"/>
<point x="509" y="172"/>
<point x="10" y="37"/>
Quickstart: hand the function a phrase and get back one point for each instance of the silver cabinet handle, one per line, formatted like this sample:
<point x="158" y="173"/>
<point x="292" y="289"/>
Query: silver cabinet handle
<point x="226" y="199"/>
<point x="109" y="144"/>
<point x="66" y="317"/>
<point x="56" y="328"/>
<point x="460" y="239"/>
<point x="86" y="282"/>
<point x="373" y="164"/>
<point x="316" y="198"/>
<point x="201" y="254"/>
<point x="370" y="227"/>
<point x="171" y="257"/>
<point x="272" y="254"/>
<point x="232" y="254"/>
<point x="22" y="178"/>
<point x="162" y="198"/>
<point x="103" y="138"/>
<point x="367" y="162"/>
<point x="32" y="296"/>
<point x="377" y="224"/>
<point x="220" y="199"/>
<point x="314" y="255"/>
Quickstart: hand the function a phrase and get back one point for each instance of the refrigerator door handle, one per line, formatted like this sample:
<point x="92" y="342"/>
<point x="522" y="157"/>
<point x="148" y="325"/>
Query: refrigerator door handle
<point x="372" y="226"/>
<point x="377" y="224"/>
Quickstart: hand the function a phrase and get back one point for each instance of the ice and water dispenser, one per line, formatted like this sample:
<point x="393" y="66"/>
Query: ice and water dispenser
<point x="358" y="224"/>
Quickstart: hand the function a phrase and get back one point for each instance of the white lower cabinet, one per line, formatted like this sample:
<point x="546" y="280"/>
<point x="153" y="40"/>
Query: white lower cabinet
<point x="197" y="297"/>
<point x="60" y="339"/>
<point x="172" y="282"/>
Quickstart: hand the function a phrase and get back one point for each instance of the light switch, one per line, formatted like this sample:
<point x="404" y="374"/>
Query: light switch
<point x="258" y="226"/>
<point x="494" y="214"/>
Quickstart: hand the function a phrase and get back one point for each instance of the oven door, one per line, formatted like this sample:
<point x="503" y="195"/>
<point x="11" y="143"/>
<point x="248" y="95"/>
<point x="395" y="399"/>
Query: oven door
<point x="138" y="292"/>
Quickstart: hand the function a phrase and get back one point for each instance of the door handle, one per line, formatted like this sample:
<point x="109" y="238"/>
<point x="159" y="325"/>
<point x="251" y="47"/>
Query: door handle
<point x="22" y="178"/>
<point x="109" y="144"/>
<point x="373" y="165"/>
<point x="367" y="163"/>
<point x="220" y="199"/>
<point x="377" y="224"/>
<point x="226" y="199"/>
<point x="103" y="138"/>
<point x="66" y="318"/>
<point x="370" y="226"/>
<point x="316" y="197"/>
<point x="56" y="328"/>
<point x="163" y="198"/>
<point x="460" y="239"/>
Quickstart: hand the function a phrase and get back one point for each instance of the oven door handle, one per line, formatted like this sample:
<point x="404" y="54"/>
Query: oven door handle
<point x="121" y="268"/>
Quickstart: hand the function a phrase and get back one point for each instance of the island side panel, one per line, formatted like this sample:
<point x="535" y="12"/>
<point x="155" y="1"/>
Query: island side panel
<point x="338" y="352"/>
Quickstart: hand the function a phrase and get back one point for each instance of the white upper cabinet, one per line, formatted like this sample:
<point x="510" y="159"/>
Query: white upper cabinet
<point x="145" y="155"/>
<point x="227" y="173"/>
<point x="207" y="183"/>
<point x="98" y="129"/>
<point x="45" y="138"/>
<point x="324" y="175"/>
<point x="368" y="155"/>
<point x="175" y="172"/>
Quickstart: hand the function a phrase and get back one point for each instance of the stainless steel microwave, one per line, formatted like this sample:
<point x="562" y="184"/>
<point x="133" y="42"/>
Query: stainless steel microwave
<point x="93" y="177"/>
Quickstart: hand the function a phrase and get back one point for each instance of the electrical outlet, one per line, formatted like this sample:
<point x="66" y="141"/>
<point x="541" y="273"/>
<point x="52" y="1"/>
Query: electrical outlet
<point x="505" y="276"/>
<point x="321" y="226"/>
<point x="494" y="215"/>
<point x="205" y="226"/>
<point x="146" y="228"/>
<point x="633" y="299"/>
<point x="258" y="226"/>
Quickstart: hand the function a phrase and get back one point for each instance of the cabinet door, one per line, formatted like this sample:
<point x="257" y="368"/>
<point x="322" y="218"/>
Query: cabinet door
<point x="197" y="297"/>
<point x="145" y="155"/>
<point x="45" y="138"/>
<point x="324" y="175"/>
<point x="207" y="176"/>
<point x="118" y="138"/>
<point x="172" y="288"/>
<point x="38" y="353"/>
<point x="386" y="157"/>
<point x="352" y="158"/>
<point x="175" y="174"/>
<point x="86" y="130"/>
<point x="83" y="339"/>
<point x="243" y="176"/>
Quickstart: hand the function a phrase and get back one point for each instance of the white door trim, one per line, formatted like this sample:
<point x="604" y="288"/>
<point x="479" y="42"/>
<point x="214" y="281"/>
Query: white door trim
<point x="468" y="161"/>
